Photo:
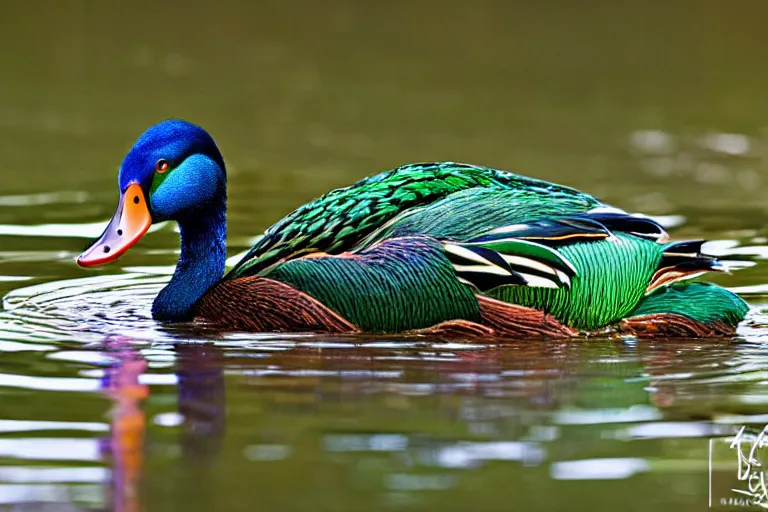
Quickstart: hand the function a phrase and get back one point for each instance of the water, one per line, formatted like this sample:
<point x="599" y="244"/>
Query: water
<point x="658" y="109"/>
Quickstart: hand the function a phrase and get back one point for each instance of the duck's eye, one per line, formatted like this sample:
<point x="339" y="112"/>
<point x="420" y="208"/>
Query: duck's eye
<point x="161" y="166"/>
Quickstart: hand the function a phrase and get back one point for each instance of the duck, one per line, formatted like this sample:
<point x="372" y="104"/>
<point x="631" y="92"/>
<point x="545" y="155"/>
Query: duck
<point x="431" y="248"/>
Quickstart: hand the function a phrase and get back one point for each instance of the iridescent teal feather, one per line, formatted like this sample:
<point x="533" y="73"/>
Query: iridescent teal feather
<point x="704" y="302"/>
<point x="611" y="278"/>
<point x="339" y="220"/>
<point x="399" y="285"/>
<point x="465" y="214"/>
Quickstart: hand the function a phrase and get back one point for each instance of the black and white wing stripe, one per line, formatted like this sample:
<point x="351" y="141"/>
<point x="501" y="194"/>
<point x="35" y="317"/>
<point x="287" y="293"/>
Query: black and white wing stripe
<point x="516" y="262"/>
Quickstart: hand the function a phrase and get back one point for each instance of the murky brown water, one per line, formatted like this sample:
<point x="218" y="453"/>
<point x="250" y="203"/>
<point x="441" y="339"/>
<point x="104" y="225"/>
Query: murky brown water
<point x="659" y="109"/>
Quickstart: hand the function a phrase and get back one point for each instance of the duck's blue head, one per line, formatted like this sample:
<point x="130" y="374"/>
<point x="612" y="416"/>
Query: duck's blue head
<point x="174" y="171"/>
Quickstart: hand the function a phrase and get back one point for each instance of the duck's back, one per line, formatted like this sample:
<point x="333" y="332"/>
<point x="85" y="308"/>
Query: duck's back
<point x="343" y="218"/>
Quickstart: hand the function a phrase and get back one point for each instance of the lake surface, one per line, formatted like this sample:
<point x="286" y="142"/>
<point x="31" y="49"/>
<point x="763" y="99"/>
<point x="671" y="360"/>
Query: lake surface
<point x="655" y="109"/>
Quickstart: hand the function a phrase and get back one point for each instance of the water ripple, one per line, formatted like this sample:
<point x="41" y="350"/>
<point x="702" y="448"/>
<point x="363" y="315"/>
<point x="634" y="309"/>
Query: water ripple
<point x="83" y="310"/>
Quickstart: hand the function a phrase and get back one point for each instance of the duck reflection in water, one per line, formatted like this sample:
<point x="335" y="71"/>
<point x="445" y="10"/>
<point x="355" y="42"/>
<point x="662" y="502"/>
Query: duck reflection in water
<point x="201" y="406"/>
<point x="493" y="392"/>
<point x="201" y="400"/>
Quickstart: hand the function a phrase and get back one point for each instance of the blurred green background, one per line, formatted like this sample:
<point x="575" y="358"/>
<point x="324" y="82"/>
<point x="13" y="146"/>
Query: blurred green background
<point x="623" y="99"/>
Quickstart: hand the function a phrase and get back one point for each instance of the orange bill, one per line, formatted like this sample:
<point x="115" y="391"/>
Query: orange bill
<point x="132" y="219"/>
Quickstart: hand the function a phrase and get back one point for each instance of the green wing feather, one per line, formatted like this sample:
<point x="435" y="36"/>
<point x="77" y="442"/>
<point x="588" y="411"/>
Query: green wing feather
<point x="399" y="285"/>
<point x="611" y="278"/>
<point x="466" y="214"/>
<point x="339" y="220"/>
<point x="411" y="283"/>
<point x="704" y="302"/>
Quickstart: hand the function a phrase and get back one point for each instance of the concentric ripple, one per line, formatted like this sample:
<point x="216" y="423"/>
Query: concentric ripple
<point x="84" y="309"/>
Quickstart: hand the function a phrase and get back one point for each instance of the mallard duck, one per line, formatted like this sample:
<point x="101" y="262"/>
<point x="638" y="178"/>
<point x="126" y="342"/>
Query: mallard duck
<point x="440" y="248"/>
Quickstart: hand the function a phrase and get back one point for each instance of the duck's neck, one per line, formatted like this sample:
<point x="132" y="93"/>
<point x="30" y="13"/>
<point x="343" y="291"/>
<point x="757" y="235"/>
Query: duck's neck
<point x="201" y="264"/>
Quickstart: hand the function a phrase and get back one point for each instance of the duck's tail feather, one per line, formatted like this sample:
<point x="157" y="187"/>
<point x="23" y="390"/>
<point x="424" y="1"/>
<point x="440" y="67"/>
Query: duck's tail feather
<point x="489" y="264"/>
<point x="684" y="260"/>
